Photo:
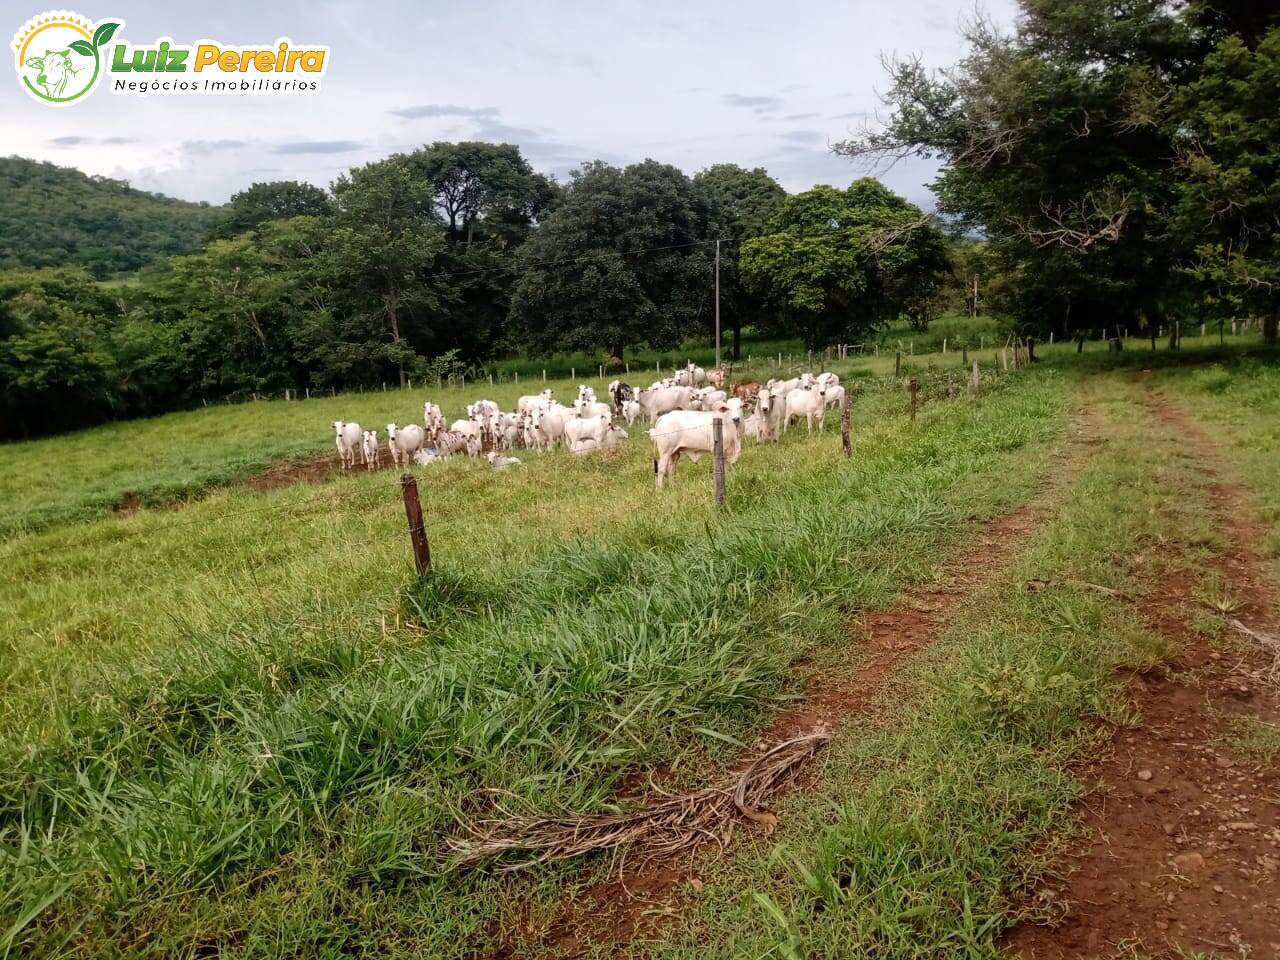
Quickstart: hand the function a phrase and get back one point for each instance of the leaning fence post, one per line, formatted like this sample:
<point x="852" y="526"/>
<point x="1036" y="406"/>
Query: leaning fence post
<point x="844" y="425"/>
<point x="417" y="533"/>
<point x="717" y="458"/>
<point x="914" y="387"/>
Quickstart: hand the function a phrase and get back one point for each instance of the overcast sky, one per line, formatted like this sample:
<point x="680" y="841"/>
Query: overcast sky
<point x="691" y="82"/>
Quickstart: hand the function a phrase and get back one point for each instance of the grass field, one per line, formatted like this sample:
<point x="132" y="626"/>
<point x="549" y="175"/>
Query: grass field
<point x="235" y="723"/>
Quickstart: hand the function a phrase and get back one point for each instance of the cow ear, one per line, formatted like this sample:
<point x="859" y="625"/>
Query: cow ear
<point x="37" y="62"/>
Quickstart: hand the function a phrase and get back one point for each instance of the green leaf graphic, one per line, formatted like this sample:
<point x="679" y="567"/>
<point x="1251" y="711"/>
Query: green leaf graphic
<point x="82" y="47"/>
<point x="104" y="33"/>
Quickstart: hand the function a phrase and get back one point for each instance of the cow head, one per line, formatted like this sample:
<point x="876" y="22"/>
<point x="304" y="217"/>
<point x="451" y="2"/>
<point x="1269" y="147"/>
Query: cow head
<point x="55" y="70"/>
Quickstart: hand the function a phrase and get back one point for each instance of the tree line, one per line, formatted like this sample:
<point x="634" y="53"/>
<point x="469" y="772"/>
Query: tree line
<point x="412" y="265"/>
<point x="1106" y="164"/>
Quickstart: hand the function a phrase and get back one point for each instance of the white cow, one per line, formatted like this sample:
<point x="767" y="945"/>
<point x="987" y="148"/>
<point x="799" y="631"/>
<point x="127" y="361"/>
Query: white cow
<point x="613" y="436"/>
<point x="433" y="421"/>
<point x="578" y="429"/>
<point x="347" y="438"/>
<point x="835" y="395"/>
<point x="499" y="462"/>
<point x="691" y="432"/>
<point x="692" y="376"/>
<point x="707" y="398"/>
<point x="370" y="449"/>
<point x="630" y="411"/>
<point x="549" y="428"/>
<point x="404" y="442"/>
<point x="591" y="408"/>
<point x="659" y="400"/>
<point x="770" y="406"/>
<point x="807" y="402"/>
<point x="756" y="426"/>
<point x="534" y="401"/>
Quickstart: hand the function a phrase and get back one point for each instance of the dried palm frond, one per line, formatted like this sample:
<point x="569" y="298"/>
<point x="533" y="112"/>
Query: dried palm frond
<point x="662" y="829"/>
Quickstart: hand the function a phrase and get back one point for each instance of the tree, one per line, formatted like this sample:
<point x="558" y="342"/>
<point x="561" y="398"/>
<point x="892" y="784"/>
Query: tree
<point x="490" y="183"/>
<point x="745" y="202"/>
<point x="380" y="262"/>
<point x="56" y="368"/>
<point x="837" y="264"/>
<point x="277" y="200"/>
<point x="1229" y="199"/>
<point x="491" y="198"/>
<point x="1057" y="144"/>
<point x="623" y="260"/>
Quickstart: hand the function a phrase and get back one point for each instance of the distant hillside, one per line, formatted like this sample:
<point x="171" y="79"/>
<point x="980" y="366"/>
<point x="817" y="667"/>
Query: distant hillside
<point x="52" y="215"/>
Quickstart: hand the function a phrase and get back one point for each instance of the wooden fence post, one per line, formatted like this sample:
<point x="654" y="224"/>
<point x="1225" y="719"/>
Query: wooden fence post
<point x="914" y="387"/>
<point x="717" y="461"/>
<point x="417" y="533"/>
<point x="974" y="377"/>
<point x="844" y="425"/>
<point x="897" y="364"/>
<point x="964" y="355"/>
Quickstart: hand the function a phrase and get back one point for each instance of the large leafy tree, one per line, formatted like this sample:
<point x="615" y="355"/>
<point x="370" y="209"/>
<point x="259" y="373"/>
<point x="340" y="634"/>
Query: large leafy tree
<point x="1057" y="145"/>
<point x="490" y="198"/>
<point x="745" y="202"/>
<point x="380" y="260"/>
<point x="837" y="264"/>
<point x="477" y="185"/>
<point x="623" y="260"/>
<point x="1229" y="200"/>
<point x="276" y="200"/>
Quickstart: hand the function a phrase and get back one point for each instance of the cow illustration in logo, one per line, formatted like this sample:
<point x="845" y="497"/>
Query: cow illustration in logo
<point x="59" y="55"/>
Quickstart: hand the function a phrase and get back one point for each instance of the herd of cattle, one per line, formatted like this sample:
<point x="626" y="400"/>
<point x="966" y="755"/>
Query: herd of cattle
<point x="682" y="410"/>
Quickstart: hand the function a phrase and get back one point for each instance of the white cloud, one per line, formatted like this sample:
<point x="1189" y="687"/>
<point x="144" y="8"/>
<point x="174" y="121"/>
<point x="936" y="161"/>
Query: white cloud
<point x="689" y="84"/>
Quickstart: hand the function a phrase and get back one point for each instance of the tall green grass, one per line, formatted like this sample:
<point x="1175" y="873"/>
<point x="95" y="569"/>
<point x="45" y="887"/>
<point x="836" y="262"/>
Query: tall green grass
<point x="226" y="729"/>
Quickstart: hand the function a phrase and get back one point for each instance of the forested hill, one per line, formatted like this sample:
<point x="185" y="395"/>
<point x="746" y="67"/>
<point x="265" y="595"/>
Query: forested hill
<point x="51" y="216"/>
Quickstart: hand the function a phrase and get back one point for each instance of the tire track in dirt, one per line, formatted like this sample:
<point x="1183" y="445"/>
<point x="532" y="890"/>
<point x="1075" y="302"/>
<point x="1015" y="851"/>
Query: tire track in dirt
<point x="642" y="895"/>
<point x="1184" y="852"/>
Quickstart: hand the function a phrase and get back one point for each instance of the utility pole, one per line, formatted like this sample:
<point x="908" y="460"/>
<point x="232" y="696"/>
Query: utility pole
<point x="717" y="304"/>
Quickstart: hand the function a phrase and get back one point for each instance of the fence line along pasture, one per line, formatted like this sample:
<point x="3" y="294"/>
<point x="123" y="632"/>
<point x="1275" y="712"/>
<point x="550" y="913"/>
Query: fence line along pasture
<point x="407" y="486"/>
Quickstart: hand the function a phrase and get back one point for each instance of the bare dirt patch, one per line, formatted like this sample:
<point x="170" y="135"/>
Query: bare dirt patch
<point x="646" y="891"/>
<point x="315" y="468"/>
<point x="1184" y="836"/>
